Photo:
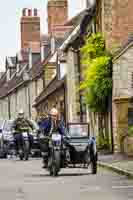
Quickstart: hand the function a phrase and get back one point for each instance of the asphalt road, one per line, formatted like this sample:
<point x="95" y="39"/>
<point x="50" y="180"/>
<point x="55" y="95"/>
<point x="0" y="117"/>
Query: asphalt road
<point x="28" y="181"/>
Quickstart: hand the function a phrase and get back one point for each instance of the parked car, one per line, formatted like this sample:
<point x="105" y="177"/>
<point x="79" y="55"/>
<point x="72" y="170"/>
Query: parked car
<point x="6" y="138"/>
<point x="7" y="141"/>
<point x="1" y="128"/>
<point x="2" y="151"/>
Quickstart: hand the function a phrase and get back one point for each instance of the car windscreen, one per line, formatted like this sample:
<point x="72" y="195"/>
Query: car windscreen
<point x="8" y="126"/>
<point x="78" y="130"/>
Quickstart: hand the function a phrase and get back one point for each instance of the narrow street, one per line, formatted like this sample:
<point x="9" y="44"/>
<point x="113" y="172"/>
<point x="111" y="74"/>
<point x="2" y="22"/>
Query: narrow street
<point x="27" y="181"/>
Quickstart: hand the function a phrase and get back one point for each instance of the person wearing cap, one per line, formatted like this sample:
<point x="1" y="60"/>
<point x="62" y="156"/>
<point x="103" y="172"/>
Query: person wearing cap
<point x="19" y="124"/>
<point x="49" y="125"/>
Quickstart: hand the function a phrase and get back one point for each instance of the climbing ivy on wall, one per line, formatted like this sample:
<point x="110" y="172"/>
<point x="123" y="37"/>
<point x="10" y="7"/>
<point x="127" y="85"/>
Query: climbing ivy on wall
<point x="97" y="80"/>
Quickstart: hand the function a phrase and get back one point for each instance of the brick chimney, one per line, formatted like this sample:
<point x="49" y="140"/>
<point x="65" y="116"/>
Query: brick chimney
<point x="57" y="14"/>
<point x="35" y="12"/>
<point x="30" y="29"/>
<point x="30" y="12"/>
<point x="24" y="12"/>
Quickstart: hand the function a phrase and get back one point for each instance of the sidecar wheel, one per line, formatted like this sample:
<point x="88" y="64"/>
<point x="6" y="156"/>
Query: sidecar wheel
<point x="93" y="160"/>
<point x="94" y="167"/>
<point x="54" y="171"/>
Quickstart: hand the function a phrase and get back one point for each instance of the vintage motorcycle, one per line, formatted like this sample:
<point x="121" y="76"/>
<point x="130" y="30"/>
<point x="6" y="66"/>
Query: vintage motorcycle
<point x="75" y="148"/>
<point x="24" y="148"/>
<point x="54" y="157"/>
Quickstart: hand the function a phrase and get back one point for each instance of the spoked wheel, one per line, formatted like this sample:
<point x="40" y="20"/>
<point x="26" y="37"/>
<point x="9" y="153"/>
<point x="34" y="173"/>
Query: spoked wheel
<point x="90" y="160"/>
<point x="55" y="164"/>
<point x="54" y="170"/>
<point x="93" y="166"/>
<point x="26" y="150"/>
<point x="21" y="154"/>
<point x="93" y="162"/>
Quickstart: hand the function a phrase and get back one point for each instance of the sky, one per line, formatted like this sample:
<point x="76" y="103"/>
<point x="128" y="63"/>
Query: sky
<point x="10" y="13"/>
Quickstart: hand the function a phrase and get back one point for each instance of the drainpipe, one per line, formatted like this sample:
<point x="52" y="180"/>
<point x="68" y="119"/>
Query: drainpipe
<point x="65" y="104"/>
<point x="29" y="101"/>
<point x="111" y="125"/>
<point x="9" y="108"/>
<point x="80" y="96"/>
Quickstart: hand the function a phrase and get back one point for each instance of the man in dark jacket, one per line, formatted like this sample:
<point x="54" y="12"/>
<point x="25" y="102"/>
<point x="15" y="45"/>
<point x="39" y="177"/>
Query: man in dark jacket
<point x="21" y="124"/>
<point x="47" y="126"/>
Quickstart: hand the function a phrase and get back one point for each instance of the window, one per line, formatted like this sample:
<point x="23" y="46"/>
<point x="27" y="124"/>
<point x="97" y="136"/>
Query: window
<point x="62" y="69"/>
<point x="132" y="80"/>
<point x="17" y="68"/>
<point x="130" y="117"/>
<point x="52" y="45"/>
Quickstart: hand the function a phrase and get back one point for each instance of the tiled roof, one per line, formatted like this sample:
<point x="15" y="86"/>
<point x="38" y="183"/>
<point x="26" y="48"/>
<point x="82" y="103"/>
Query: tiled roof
<point x="84" y="19"/>
<point x="34" y="72"/>
<point x="76" y="19"/>
<point x="46" y="40"/>
<point x="1" y="74"/>
<point x="8" y="86"/>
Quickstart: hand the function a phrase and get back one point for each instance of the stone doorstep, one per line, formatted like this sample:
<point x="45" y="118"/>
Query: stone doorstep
<point x="116" y="169"/>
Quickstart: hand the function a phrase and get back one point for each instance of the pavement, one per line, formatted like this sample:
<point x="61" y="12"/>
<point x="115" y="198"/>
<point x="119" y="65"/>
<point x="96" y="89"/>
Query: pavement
<point x="22" y="180"/>
<point x="118" y="163"/>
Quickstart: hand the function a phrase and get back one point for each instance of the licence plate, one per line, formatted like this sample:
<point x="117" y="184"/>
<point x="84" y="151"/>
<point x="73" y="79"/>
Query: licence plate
<point x="56" y="137"/>
<point x="80" y="149"/>
<point x="41" y="136"/>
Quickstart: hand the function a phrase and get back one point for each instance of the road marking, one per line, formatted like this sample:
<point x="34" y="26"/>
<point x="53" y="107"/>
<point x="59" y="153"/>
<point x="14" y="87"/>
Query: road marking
<point x="123" y="187"/>
<point x="90" y="189"/>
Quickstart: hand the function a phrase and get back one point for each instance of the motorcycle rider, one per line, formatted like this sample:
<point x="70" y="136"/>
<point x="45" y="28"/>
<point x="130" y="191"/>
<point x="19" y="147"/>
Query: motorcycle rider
<point x="19" y="124"/>
<point x="49" y="125"/>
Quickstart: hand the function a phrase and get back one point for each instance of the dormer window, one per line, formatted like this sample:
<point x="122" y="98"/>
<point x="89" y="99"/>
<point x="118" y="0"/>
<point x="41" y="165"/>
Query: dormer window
<point x="62" y="65"/>
<point x="17" y="68"/>
<point x="8" y="75"/>
<point x="52" y="45"/>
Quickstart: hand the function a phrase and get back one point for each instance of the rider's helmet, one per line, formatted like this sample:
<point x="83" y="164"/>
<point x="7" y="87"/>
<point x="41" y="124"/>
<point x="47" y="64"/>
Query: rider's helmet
<point x="21" y="114"/>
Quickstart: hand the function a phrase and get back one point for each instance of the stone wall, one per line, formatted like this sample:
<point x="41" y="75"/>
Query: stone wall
<point x="123" y="74"/>
<point x="4" y="108"/>
<point x="122" y="91"/>
<point x="35" y="88"/>
<point x="73" y="114"/>
<point x="56" y="99"/>
<point x="49" y="73"/>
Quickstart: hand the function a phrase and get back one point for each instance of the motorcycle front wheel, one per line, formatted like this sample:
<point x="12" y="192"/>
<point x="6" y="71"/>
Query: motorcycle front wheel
<point x="26" y="150"/>
<point x="55" y="164"/>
